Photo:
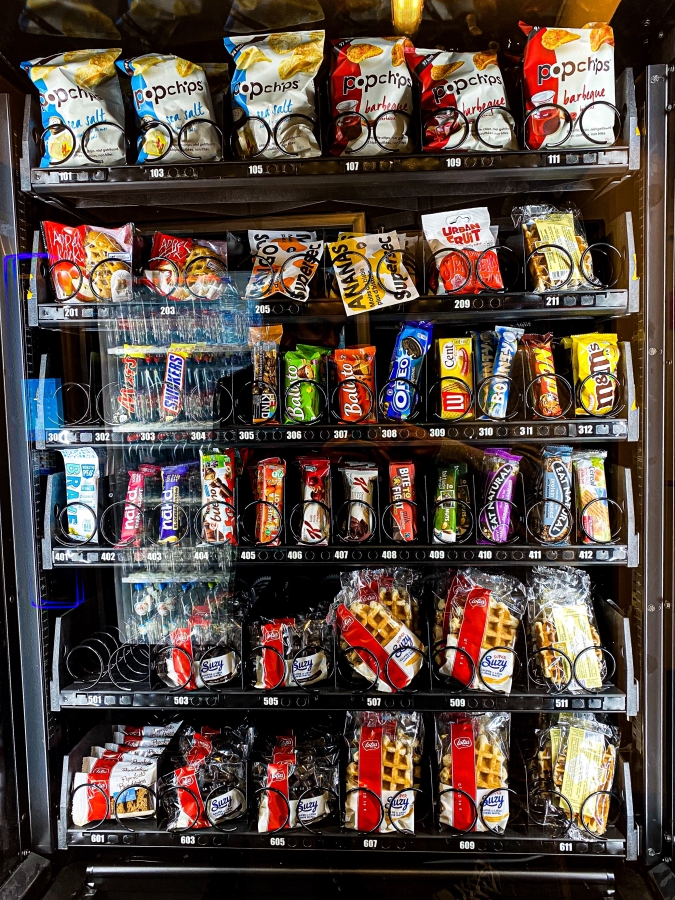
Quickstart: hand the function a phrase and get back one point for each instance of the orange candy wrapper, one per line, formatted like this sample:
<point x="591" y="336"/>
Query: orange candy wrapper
<point x="356" y="398"/>
<point x="544" y="389"/>
<point x="270" y="493"/>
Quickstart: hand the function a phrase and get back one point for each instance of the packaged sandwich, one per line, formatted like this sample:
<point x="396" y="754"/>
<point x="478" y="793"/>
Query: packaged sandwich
<point x="371" y="97"/>
<point x="472" y="752"/>
<point x="81" y="106"/>
<point x="595" y="358"/>
<point x="471" y="265"/>
<point x="479" y="613"/>
<point x="554" y="244"/>
<point x="591" y="496"/>
<point x="291" y="652"/>
<point x="370" y="272"/>
<point x="174" y="110"/>
<point x="464" y="104"/>
<point x="566" y="643"/>
<point x="88" y="263"/>
<point x="385" y="763"/>
<point x="273" y="93"/>
<point x="585" y="90"/>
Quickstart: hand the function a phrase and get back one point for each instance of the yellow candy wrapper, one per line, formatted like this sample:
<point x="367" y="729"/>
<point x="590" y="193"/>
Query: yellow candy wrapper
<point x="594" y="361"/>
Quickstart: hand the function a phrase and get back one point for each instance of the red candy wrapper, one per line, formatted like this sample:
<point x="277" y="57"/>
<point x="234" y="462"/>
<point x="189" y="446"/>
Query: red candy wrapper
<point x="315" y="481"/>
<point x="132" y="518"/>
<point x="402" y="489"/>
<point x="356" y="367"/>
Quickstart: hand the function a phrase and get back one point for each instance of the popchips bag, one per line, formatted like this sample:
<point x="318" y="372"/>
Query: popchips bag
<point x="172" y="102"/>
<point x="273" y="87"/>
<point x="371" y="97"/>
<point x="572" y="68"/>
<point x="82" y="108"/>
<point x="466" y="83"/>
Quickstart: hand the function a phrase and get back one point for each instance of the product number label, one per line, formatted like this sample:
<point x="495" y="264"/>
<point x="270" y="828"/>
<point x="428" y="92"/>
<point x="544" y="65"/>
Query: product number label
<point x="437" y="432"/>
<point x="147" y="435"/>
<point x="157" y="173"/>
<point x="351" y="167"/>
<point x="486" y="431"/>
<point x="534" y="554"/>
<point x="187" y="839"/>
<point x="340" y="433"/>
<point x="107" y="556"/>
<point x="294" y="435"/>
<point x="341" y="554"/>
<point x="97" y="838"/>
<point x="167" y="311"/>
<point x="94" y="699"/>
<point x="525" y="430"/>
<point x="373" y="701"/>
<point x="389" y="433"/>
<point x="437" y="554"/>
<point x="255" y="170"/>
<point x="389" y="554"/>
<point x="270" y="701"/>
<point x="485" y="554"/>
<point x="585" y="554"/>
<point x="263" y="309"/>
<point x="561" y="704"/>
<point x="467" y="845"/>
<point x="201" y="554"/>
<point x="248" y="554"/>
<point x="59" y="557"/>
<point x="370" y="843"/>
<point x="180" y="701"/>
<point x="247" y="435"/>
<point x="566" y="846"/>
<point x="453" y="162"/>
<point x="553" y="301"/>
<point x="585" y="429"/>
<point x="154" y="556"/>
<point x="456" y="701"/>
<point x="553" y="159"/>
<point x="277" y="842"/>
<point x="197" y="435"/>
<point x="102" y="436"/>
<point x="462" y="303"/>
<point x="295" y="554"/>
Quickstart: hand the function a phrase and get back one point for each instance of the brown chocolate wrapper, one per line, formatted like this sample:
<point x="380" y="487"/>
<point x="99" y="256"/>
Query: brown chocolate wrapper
<point x="265" y="341"/>
<point x="402" y="489"/>
<point x="539" y="355"/>
<point x="270" y="489"/>
<point x="316" y="489"/>
<point x="359" y="479"/>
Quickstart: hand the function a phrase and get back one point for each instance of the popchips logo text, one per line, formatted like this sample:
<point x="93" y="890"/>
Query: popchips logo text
<point x="366" y="83"/>
<point x="460" y="85"/>
<point x="568" y="68"/>
<point x="156" y="93"/>
<point x="253" y="89"/>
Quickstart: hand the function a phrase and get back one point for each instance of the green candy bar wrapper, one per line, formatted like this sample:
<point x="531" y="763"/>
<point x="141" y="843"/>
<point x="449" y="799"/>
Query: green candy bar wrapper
<point x="452" y="485"/>
<point x="302" y="403"/>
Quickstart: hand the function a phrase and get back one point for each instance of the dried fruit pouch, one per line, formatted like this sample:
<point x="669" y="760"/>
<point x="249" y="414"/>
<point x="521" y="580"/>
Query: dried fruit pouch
<point x="471" y="265"/>
<point x="371" y="98"/>
<point x="370" y="272"/>
<point x="464" y="104"/>
<point x="82" y="108"/>
<point x="273" y="93"/>
<point x="173" y="106"/>
<point x="572" y="68"/>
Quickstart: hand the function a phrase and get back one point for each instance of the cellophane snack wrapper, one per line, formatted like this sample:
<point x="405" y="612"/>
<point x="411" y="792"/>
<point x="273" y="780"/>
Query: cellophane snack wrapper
<point x="88" y="263"/>
<point x="553" y="269"/>
<point x="478" y="613"/>
<point x="564" y="637"/>
<point x="572" y="68"/>
<point x="385" y="760"/>
<point x="182" y="268"/>
<point x="377" y="609"/>
<point x="283" y="265"/>
<point x="174" y="110"/>
<point x="370" y="272"/>
<point x="472" y="753"/>
<point x="471" y="265"/>
<point x="371" y="98"/>
<point x="470" y="83"/>
<point x="80" y="89"/>
<point x="302" y="770"/>
<point x="274" y="95"/>
<point x="300" y="650"/>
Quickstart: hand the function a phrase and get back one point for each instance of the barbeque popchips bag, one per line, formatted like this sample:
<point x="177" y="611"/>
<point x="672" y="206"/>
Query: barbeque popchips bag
<point x="273" y="94"/>
<point x="82" y="109"/>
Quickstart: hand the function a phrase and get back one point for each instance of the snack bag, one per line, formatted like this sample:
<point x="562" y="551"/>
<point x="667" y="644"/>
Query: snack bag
<point x="283" y="265"/>
<point x="316" y="484"/>
<point x="292" y="652"/>
<point x="385" y="756"/>
<point x="472" y="752"/>
<point x="557" y="266"/>
<point x="82" y="471"/>
<point x="595" y="358"/>
<point x="479" y="613"/>
<point x="370" y="272"/>
<point x="572" y="68"/>
<point x="81" y="106"/>
<point x="265" y="341"/>
<point x="355" y="372"/>
<point x="273" y="93"/>
<point x="173" y="107"/>
<point x="494" y="392"/>
<point x="271" y="477"/>
<point x="500" y="475"/>
<point x="556" y="523"/>
<point x="187" y="268"/>
<point x="401" y="397"/>
<point x="455" y="372"/>
<point x="371" y="97"/>
<point x="591" y="489"/>
<point x="451" y="520"/>
<point x="470" y="265"/>
<point x="359" y="488"/>
<point x="219" y="479"/>
<point x="563" y="629"/>
<point x="468" y="83"/>
<point x="89" y="263"/>
<point x="303" y="373"/>
<point x="402" y="499"/>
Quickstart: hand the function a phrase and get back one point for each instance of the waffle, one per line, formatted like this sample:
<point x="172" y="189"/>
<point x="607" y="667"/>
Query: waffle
<point x="552" y="664"/>
<point x="397" y="765"/>
<point x="596" y="821"/>
<point x="376" y="620"/>
<point x="397" y="603"/>
<point x="127" y="807"/>
<point x="544" y="762"/>
<point x="501" y="628"/>
<point x="489" y="764"/>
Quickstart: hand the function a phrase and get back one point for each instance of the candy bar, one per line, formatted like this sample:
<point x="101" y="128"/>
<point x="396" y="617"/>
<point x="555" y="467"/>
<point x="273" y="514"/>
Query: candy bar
<point x="540" y="365"/>
<point x="132" y="516"/>
<point x="595" y="358"/>
<point x="172" y="524"/>
<point x="402" y="498"/>
<point x="303" y="402"/>
<point x="557" y="521"/>
<point x="359" y="482"/>
<point x="355" y="366"/>
<point x="82" y="469"/>
<point x="591" y="491"/>
<point x="451" y="519"/>
<point x="174" y="381"/>
<point x="218" y="471"/>
<point x="500" y="474"/>
<point x="271" y="475"/>
<point x="315" y="482"/>
<point x="499" y="385"/>
<point x="412" y="343"/>
<point x="455" y="370"/>
<point x="484" y="350"/>
<point x="265" y="341"/>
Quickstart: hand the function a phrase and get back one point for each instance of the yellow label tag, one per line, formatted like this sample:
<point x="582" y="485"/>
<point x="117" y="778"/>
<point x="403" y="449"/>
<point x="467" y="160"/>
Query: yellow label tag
<point x="583" y="766"/>
<point x="574" y="636"/>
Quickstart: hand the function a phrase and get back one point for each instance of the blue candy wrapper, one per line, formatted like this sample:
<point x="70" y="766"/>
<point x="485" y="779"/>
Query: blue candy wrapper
<point x="557" y="493"/>
<point x="412" y="344"/>
<point x="170" y="512"/>
<point x="499" y="386"/>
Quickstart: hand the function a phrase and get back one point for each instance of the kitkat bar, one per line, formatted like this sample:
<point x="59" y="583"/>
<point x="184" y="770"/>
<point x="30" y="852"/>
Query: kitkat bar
<point x="355" y="371"/>
<point x="402" y="497"/>
<point x="271" y="475"/>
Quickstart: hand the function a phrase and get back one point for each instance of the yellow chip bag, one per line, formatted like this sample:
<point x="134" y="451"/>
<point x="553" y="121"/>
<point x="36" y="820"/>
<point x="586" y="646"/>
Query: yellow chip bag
<point x="595" y="358"/>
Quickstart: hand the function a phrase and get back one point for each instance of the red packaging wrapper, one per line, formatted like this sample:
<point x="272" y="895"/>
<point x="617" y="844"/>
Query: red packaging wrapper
<point x="132" y="518"/>
<point x="315" y="482"/>
<point x="540" y="363"/>
<point x="270" y="512"/>
<point x="89" y="263"/>
<point x="357" y="399"/>
<point x="402" y="489"/>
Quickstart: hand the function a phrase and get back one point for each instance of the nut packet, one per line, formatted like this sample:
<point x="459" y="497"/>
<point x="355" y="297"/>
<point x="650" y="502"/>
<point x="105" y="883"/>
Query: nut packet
<point x="370" y="272"/>
<point x="595" y="358"/>
<point x="385" y="764"/>
<point x="265" y="341"/>
<point x="572" y="68"/>
<point x="566" y="645"/>
<point x="283" y="265"/>
<point x="371" y="98"/>
<point x="88" y="263"/>
<point x="477" y="616"/>
<point x="81" y="106"/>
<point x="471" y="265"/>
<point x="274" y="94"/>
<point x="467" y="83"/>
<point x="174" y="111"/>
<point x="591" y="495"/>
<point x="557" y="266"/>
<point x="472" y="754"/>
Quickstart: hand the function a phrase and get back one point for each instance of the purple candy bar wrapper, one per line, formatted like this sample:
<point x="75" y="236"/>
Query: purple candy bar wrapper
<point x="170" y="514"/>
<point x="500" y="472"/>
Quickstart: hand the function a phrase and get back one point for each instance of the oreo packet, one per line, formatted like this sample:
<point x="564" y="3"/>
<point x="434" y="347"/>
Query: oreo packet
<point x="401" y="396"/>
<point x="273" y="94"/>
<point x="82" y="108"/>
<point x="173" y="106"/>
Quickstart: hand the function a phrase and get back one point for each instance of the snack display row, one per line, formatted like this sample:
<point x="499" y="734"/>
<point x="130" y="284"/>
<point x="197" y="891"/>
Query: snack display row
<point x="373" y="109"/>
<point x="188" y="777"/>
<point x="225" y="498"/>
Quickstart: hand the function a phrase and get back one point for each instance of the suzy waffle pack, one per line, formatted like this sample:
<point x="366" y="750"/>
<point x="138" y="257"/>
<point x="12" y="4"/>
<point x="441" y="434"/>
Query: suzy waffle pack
<point x="385" y="755"/>
<point x="476" y="619"/>
<point x="472" y="753"/>
<point x="291" y="652"/>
